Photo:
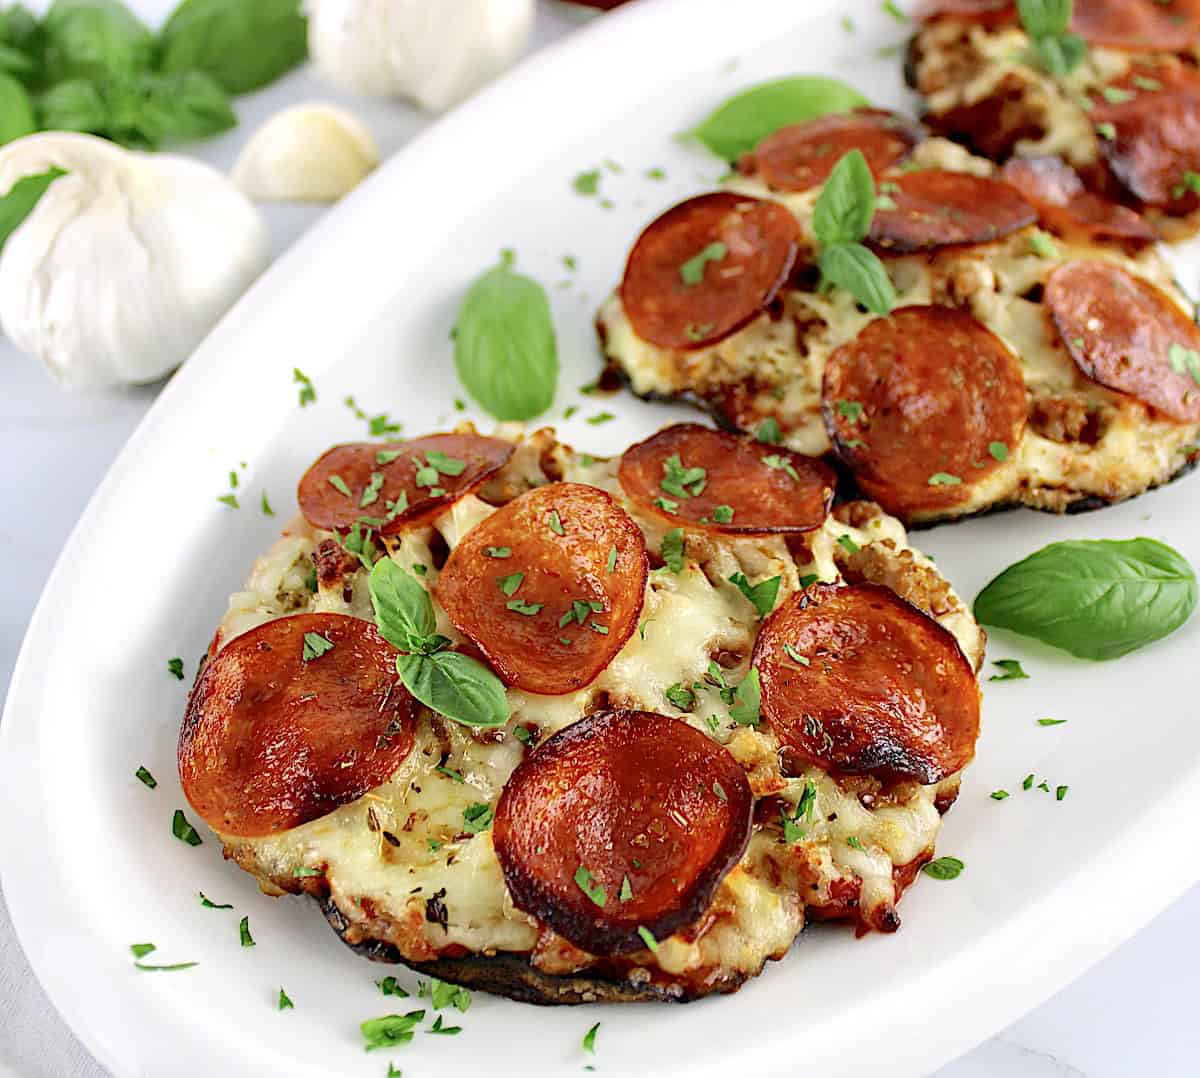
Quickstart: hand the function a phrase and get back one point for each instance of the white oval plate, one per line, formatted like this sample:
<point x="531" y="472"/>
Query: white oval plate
<point x="364" y="305"/>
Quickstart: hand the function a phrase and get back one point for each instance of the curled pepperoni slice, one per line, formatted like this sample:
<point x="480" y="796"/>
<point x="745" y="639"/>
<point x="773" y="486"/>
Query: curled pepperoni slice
<point x="802" y="156"/>
<point x="1069" y="210"/>
<point x="854" y="679"/>
<point x="1151" y="137"/>
<point x="935" y="208"/>
<point x="554" y="610"/>
<point x="719" y="482"/>
<point x="290" y="720"/>
<point x="1125" y="334"/>
<point x="922" y="405"/>
<point x="392" y="487"/>
<point x="625" y="820"/>
<point x="706" y="267"/>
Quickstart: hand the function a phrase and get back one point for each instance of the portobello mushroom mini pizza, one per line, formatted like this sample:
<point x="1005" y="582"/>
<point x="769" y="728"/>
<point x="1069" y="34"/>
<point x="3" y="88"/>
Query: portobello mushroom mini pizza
<point x="571" y="729"/>
<point x="1038" y="351"/>
<point x="1117" y="94"/>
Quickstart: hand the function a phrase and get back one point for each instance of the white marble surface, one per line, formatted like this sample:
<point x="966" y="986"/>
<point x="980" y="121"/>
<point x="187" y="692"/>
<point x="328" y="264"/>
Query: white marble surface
<point x="1131" y="1015"/>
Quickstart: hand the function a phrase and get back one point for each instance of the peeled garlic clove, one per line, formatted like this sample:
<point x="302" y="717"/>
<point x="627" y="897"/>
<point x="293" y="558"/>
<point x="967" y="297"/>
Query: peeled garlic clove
<point x="435" y="54"/>
<point x="125" y="263"/>
<point x="307" y="153"/>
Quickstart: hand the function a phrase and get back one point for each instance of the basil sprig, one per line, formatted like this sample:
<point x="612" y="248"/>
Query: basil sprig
<point x="841" y="221"/>
<point x="742" y="122"/>
<point x="454" y="685"/>
<point x="1096" y="598"/>
<point x="21" y="199"/>
<point x="1048" y="24"/>
<point x="504" y="346"/>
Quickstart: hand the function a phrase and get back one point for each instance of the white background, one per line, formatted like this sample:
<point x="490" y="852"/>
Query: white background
<point x="1132" y="1015"/>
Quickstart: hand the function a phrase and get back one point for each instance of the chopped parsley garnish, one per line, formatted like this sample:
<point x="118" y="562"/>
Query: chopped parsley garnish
<point x="520" y="606"/>
<point x="229" y="500"/>
<point x="889" y="7"/>
<point x="419" y="568"/>
<point x="581" y="610"/>
<point x="851" y="410"/>
<point x="285" y="1002"/>
<point x="807" y="580"/>
<point x="146" y="778"/>
<point x="477" y="818"/>
<point x="209" y="904"/>
<point x="612" y="559"/>
<point x="303" y="873"/>
<point x="848" y="544"/>
<point x="723" y="514"/>
<point x="680" y="696"/>
<point x="672" y="549"/>
<point x="509" y="584"/>
<point x="389" y="986"/>
<point x="667" y="505"/>
<point x="499" y="552"/>
<point x="680" y="481"/>
<point x="370" y="494"/>
<point x="585" y="882"/>
<point x="716" y="676"/>
<point x="587" y="183"/>
<point x="390" y="1030"/>
<point x="655" y="174"/>
<point x="792" y="831"/>
<point x="999" y="795"/>
<point x="778" y="463"/>
<point x="648" y="939"/>
<point x="626" y="889"/>
<point x="762" y="595"/>
<point x="437" y="1027"/>
<point x="340" y="485"/>
<point x="308" y="393"/>
<point x="944" y="479"/>
<point x="450" y="773"/>
<point x="442" y="994"/>
<point x="589" y="1039"/>
<point x="854" y="843"/>
<point x="596" y="627"/>
<point x="1044" y="786"/>
<point x="691" y="272"/>
<point x="444" y="464"/>
<point x="1051" y="722"/>
<point x="386" y="456"/>
<point x="998" y="450"/>
<point x="1190" y="182"/>
<point x="315" y="645"/>
<point x="266" y="506"/>
<point x="183" y="830"/>
<point x="1027" y="782"/>
<point x="600" y="417"/>
<point x="1184" y="361"/>
<point x="1010" y="670"/>
<point x="379" y="425"/>
<point x="719" y="791"/>
<point x="1060" y="792"/>
<point x="768" y="431"/>
<point x="749" y="697"/>
<point x="1108" y="132"/>
<point x="944" y="868"/>
<point x="555" y="523"/>
<point x="140" y="950"/>
<point x="570" y="410"/>
<point x="523" y="734"/>
<point x="175" y="667"/>
<point x="1042" y="245"/>
<point x="244" y="932"/>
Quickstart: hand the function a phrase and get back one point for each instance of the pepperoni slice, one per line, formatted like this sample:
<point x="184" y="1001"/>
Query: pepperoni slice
<point x="1151" y="138"/>
<point x="922" y="405"/>
<point x="854" y="679"/>
<point x="715" y="481"/>
<point x="1069" y="210"/>
<point x="935" y="208"/>
<point x="272" y="740"/>
<point x="706" y="267"/>
<point x="551" y="614"/>
<point x="802" y="156"/>
<point x="625" y="820"/>
<point x="1127" y="335"/>
<point x="394" y="486"/>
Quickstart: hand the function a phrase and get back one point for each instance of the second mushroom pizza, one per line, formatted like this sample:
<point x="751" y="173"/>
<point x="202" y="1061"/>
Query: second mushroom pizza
<point x="1038" y="351"/>
<point x="571" y="729"/>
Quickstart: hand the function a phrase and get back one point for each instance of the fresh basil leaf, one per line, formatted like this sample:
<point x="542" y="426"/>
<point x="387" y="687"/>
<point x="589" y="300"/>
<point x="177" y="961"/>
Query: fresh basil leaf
<point x="504" y="346"/>
<point x="74" y="105"/>
<point x="21" y="199"/>
<point x="180" y="108"/>
<point x="15" y="62"/>
<point x="1060" y="55"/>
<point x="457" y="686"/>
<point x="762" y="595"/>
<point x="743" y="121"/>
<point x="16" y="110"/>
<point x="846" y="204"/>
<point x="860" y="272"/>
<point x="95" y="39"/>
<point x="403" y="610"/>
<point x="243" y="44"/>
<point x="1096" y="598"/>
<point x="22" y="44"/>
<point x="1045" y="18"/>
<point x="944" y="868"/>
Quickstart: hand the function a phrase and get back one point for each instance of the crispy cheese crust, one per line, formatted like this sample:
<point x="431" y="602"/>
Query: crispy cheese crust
<point x="400" y="880"/>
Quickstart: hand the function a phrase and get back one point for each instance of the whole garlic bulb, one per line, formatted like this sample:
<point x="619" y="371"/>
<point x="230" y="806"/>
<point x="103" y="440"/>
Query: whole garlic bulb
<point x="306" y="153"/>
<point x="434" y="52"/>
<point x="126" y="262"/>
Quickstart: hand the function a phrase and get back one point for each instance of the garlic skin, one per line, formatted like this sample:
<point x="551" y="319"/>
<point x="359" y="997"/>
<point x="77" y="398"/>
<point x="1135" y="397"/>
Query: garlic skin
<point x="307" y="153"/>
<point x="433" y="52"/>
<point x="125" y="263"/>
